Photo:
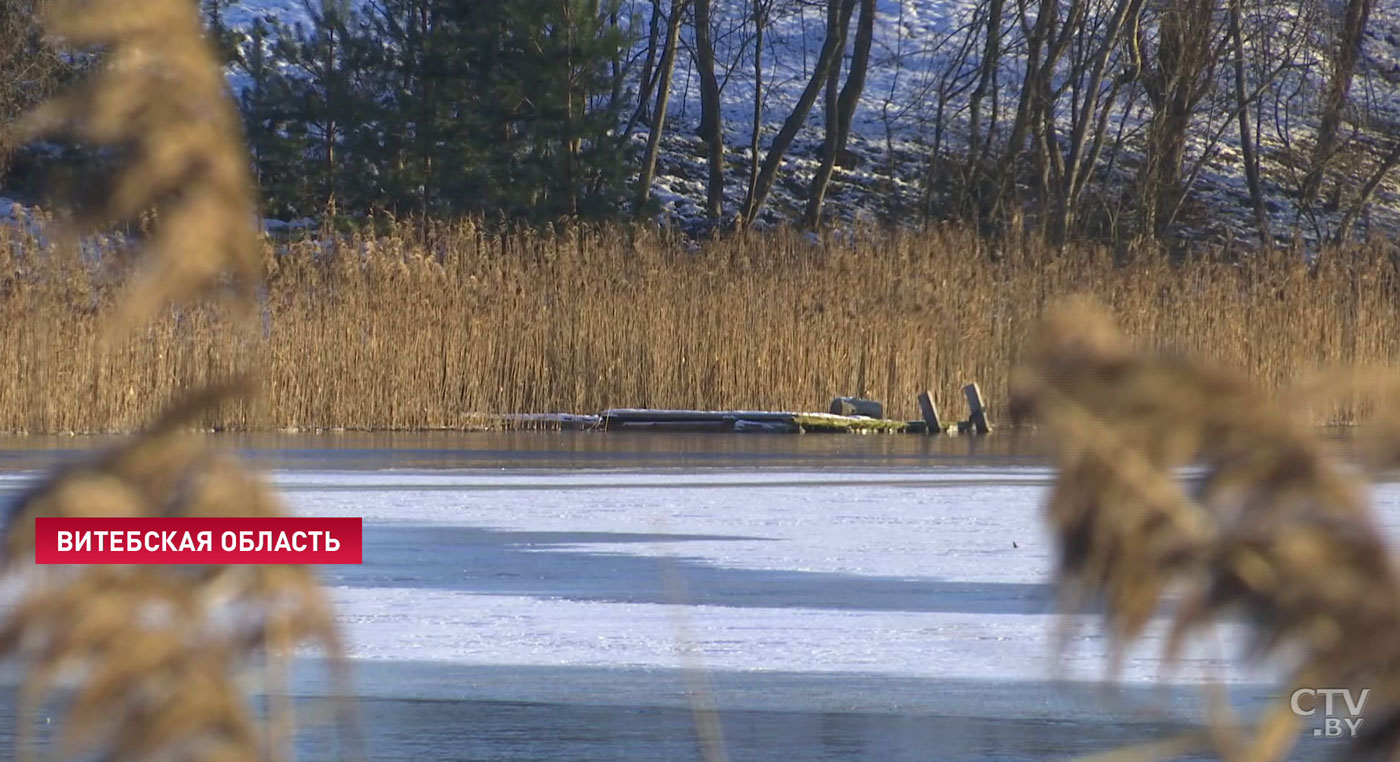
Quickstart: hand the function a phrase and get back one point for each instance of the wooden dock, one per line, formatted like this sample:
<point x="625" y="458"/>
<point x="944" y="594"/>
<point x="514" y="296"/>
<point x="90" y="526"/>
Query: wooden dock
<point x="848" y="415"/>
<point x="748" y="421"/>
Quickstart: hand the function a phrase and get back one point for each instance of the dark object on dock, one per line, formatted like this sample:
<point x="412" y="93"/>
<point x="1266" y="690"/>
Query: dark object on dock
<point x="850" y="406"/>
<point x="978" y="412"/>
<point x="932" y="423"/>
<point x="929" y="411"/>
<point x="692" y="420"/>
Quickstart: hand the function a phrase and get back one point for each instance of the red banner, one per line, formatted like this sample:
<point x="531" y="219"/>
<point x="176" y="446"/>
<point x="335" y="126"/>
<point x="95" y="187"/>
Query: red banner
<point x="198" y="541"/>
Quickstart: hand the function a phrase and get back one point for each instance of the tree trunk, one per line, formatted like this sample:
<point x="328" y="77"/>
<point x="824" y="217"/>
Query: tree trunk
<point x="1334" y="96"/>
<point x="663" y="96"/>
<point x="332" y="130"/>
<point x="572" y="97"/>
<point x="1247" y="152"/>
<point x="830" y="54"/>
<point x="1038" y="37"/>
<point x="991" y="59"/>
<point x="759" y="22"/>
<point x="648" y="76"/>
<point x="846" y="104"/>
<point x="1085" y="144"/>
<point x="711" y="120"/>
<point x="1182" y="75"/>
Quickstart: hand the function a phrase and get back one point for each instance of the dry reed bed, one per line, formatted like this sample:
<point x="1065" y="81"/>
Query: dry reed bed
<point x="419" y="329"/>
<point x="146" y="662"/>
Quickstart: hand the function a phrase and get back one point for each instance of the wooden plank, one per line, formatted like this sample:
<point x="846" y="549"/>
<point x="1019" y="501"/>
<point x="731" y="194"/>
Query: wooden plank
<point x="978" y="412"/>
<point x="672" y="426"/>
<point x="643" y="415"/>
<point x="728" y="420"/>
<point x="929" y="411"/>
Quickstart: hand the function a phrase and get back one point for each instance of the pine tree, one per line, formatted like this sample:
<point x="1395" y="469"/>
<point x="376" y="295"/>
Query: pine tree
<point x="506" y="104"/>
<point x="31" y="69"/>
<point x="308" y="112"/>
<point x="276" y="144"/>
<point x="224" y="39"/>
<point x="441" y="107"/>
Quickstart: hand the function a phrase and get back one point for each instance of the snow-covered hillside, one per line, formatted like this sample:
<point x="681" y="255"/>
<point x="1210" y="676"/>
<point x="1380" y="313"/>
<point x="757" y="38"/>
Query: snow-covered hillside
<point x="915" y="99"/>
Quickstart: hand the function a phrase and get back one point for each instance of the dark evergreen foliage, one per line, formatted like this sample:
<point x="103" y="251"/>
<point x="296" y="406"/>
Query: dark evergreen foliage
<point x="439" y="107"/>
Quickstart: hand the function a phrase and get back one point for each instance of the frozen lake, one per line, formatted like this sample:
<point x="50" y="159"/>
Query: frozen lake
<point x="574" y="596"/>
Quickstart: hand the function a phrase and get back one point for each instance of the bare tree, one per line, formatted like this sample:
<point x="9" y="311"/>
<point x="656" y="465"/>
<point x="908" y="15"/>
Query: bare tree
<point x="1044" y="39"/>
<point x="663" y="95"/>
<point x="839" y="120"/>
<point x="1334" y="95"/>
<point x="648" y="76"/>
<point x="977" y="148"/>
<point x="760" y="12"/>
<point x="1363" y="199"/>
<point x="1284" y="37"/>
<point x="954" y="80"/>
<point x="1248" y="154"/>
<point x="711" y="118"/>
<point x="828" y="58"/>
<point x="1064" y="162"/>
<point x="1181" y="74"/>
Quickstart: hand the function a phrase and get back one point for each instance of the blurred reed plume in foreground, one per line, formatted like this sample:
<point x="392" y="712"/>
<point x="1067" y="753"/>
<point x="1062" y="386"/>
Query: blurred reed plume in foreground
<point x="149" y="662"/>
<point x="154" y="655"/>
<point x="159" y="103"/>
<point x="1277" y="532"/>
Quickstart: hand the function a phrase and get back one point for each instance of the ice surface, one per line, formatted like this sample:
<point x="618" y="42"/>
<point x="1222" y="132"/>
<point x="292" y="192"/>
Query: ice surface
<point x="853" y="613"/>
<point x="939" y="573"/>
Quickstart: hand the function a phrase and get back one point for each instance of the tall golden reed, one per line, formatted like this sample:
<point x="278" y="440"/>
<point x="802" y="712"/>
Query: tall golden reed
<point x="406" y="330"/>
<point x="1278" y="533"/>
<point x="148" y="662"/>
